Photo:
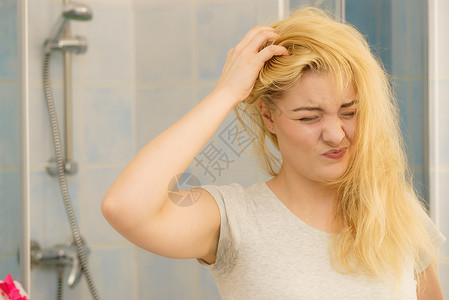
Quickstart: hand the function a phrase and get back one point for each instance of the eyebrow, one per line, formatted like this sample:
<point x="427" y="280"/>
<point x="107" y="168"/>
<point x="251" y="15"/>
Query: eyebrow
<point x="310" y="108"/>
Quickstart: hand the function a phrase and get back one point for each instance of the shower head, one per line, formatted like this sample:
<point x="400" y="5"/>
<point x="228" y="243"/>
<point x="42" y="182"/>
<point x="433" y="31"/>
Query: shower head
<point x="77" y="11"/>
<point x="71" y="11"/>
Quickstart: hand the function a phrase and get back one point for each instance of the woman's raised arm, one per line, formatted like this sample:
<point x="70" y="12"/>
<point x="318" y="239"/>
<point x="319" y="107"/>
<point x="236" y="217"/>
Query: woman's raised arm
<point x="137" y="204"/>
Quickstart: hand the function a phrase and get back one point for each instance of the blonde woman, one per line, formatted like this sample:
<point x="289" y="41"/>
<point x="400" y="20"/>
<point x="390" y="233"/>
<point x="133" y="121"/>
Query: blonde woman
<point x="338" y="220"/>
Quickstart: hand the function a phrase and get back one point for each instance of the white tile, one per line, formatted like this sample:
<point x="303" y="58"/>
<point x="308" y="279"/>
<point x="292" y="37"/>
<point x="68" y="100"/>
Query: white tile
<point x="166" y="278"/>
<point x="111" y="52"/>
<point x="107" y="125"/>
<point x="443" y="126"/>
<point x="220" y="27"/>
<point x="42" y="20"/>
<point x="113" y="272"/>
<point x="159" y="108"/>
<point x="164" y="42"/>
<point x="267" y="11"/>
<point x="44" y="284"/>
<point x="442" y="38"/>
<point x="93" y="186"/>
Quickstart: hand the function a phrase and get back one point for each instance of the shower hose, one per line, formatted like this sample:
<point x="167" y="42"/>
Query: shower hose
<point x="63" y="182"/>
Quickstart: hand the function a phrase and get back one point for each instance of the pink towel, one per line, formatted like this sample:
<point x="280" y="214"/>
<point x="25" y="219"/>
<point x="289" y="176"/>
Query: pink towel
<point x="11" y="290"/>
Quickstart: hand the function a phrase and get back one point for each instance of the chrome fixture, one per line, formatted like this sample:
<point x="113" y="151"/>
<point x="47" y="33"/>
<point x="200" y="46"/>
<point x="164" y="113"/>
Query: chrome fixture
<point x="60" y="256"/>
<point x="74" y="254"/>
<point x="77" y="44"/>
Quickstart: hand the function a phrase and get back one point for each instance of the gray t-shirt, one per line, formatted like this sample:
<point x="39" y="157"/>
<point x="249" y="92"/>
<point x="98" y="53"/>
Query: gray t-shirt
<point x="266" y="252"/>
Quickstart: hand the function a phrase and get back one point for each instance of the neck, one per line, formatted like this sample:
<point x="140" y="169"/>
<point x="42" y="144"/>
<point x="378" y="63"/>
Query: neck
<point x="304" y="190"/>
<point x="308" y="199"/>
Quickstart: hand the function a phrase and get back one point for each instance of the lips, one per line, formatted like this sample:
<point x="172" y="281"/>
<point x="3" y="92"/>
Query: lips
<point x="335" y="153"/>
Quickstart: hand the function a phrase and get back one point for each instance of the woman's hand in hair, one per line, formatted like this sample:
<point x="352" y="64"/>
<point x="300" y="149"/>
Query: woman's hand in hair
<point x="244" y="62"/>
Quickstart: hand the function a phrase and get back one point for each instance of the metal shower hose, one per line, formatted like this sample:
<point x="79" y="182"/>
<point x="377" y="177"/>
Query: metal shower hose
<point x="62" y="178"/>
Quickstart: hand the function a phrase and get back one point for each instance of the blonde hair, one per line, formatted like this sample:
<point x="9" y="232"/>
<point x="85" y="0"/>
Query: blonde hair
<point x="378" y="208"/>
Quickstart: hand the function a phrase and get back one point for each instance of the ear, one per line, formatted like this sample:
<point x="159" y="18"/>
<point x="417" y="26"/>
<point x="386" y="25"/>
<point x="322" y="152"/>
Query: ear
<point x="267" y="116"/>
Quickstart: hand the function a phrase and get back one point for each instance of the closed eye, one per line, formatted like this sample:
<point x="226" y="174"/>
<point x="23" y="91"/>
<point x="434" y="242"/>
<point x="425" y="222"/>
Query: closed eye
<point x="309" y="119"/>
<point x="349" y="114"/>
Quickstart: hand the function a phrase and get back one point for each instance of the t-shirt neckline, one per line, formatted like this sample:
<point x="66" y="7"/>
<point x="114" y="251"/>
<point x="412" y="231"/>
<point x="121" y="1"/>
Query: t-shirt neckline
<point x="291" y="215"/>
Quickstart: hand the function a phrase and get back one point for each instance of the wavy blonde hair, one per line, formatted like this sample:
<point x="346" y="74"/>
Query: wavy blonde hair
<point x="378" y="209"/>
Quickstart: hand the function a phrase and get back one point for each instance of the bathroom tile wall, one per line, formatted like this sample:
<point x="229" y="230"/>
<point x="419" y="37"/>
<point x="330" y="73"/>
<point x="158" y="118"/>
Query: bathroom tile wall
<point x="395" y="31"/>
<point x="409" y="70"/>
<point x="147" y="64"/>
<point x="104" y="141"/>
<point x="10" y="216"/>
<point x="171" y="78"/>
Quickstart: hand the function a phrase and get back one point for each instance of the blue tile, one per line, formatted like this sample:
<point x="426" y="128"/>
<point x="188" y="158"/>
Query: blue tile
<point x="166" y="278"/>
<point x="401" y="89"/>
<point x="400" y="47"/>
<point x="220" y="27"/>
<point x="9" y="124"/>
<point x="417" y="36"/>
<point x="164" y="44"/>
<point x="384" y="35"/>
<point x="373" y="20"/>
<point x="41" y="141"/>
<point x="420" y="185"/>
<point x="10" y="265"/>
<point x="417" y="118"/>
<point x="107" y="125"/>
<point x="158" y="108"/>
<point x="113" y="272"/>
<point x="8" y="40"/>
<point x="10" y="214"/>
<point x="49" y="223"/>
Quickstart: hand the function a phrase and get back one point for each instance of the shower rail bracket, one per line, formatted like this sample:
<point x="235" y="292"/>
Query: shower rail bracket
<point x="77" y="45"/>
<point x="70" y="168"/>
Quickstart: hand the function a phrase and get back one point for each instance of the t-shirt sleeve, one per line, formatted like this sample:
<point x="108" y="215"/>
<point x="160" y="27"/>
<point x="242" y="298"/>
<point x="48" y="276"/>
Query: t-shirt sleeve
<point x="436" y="237"/>
<point x="231" y="203"/>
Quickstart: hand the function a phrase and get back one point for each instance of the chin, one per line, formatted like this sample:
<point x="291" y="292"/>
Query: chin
<point x="331" y="175"/>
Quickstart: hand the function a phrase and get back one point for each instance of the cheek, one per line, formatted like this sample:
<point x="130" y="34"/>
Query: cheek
<point x="303" y="136"/>
<point x="350" y="129"/>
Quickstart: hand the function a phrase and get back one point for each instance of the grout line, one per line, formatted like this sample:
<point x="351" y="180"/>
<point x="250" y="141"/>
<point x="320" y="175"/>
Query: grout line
<point x="84" y="166"/>
<point x="7" y="255"/>
<point x="92" y="84"/>
<point x="9" y="81"/>
<point x="9" y="168"/>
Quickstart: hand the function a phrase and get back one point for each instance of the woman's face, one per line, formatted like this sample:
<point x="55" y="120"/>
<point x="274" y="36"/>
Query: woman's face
<point x="315" y="127"/>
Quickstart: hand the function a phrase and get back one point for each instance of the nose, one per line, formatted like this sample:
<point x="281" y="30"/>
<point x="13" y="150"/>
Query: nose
<point x="333" y="132"/>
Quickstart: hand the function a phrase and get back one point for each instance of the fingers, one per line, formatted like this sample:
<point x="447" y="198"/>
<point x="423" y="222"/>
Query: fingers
<point x="272" y="50"/>
<point x="257" y="38"/>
